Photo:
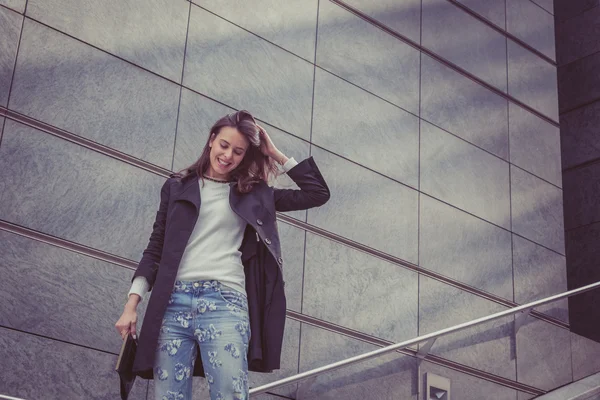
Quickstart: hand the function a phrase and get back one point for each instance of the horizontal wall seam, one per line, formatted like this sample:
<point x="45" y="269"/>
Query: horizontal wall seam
<point x="578" y="59"/>
<point x="581" y="226"/>
<point x="61" y="133"/>
<point x="577" y="107"/>
<point x="582" y="165"/>
<point x="412" y="352"/>
<point x="132" y="265"/>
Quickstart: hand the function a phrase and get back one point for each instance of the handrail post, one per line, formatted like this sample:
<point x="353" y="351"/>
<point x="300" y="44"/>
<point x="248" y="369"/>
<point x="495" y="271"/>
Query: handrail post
<point x="521" y="318"/>
<point x="425" y="349"/>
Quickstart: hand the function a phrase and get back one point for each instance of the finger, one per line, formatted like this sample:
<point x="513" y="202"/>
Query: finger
<point x="132" y="330"/>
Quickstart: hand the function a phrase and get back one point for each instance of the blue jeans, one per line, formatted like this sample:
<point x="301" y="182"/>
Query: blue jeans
<point x="215" y="317"/>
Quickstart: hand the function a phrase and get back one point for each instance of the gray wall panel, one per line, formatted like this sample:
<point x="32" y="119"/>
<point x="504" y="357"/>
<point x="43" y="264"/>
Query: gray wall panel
<point x="586" y="356"/>
<point x="463" y="107"/>
<point x="579" y="82"/>
<point x="534" y="145"/>
<point x="197" y="114"/>
<point x="65" y="190"/>
<point x="539" y="273"/>
<point x="227" y="63"/>
<point x="17" y="5"/>
<point x="581" y="204"/>
<point x="61" y="294"/>
<point x="464" y="176"/>
<point x="537" y="211"/>
<point x="547" y="5"/>
<point x="465" y="248"/>
<point x="363" y="128"/>
<point x="374" y="297"/>
<point x="467" y="387"/>
<point x="494" y="11"/>
<point x="149" y="33"/>
<point x="291" y="25"/>
<point x="402" y="16"/>
<point x="465" y="41"/>
<point x="532" y="80"/>
<point x="388" y="377"/>
<point x="40" y="368"/>
<point x="580" y="135"/>
<point x="543" y="354"/>
<point x="532" y="24"/>
<point x="10" y="31"/>
<point x="487" y="347"/>
<point x="566" y="9"/>
<point x="73" y="86"/>
<point x="361" y="200"/>
<point x="578" y="37"/>
<point x="359" y="52"/>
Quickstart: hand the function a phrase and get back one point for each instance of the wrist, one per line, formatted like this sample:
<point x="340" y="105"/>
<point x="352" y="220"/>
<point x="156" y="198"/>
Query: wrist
<point x="132" y="302"/>
<point x="279" y="157"/>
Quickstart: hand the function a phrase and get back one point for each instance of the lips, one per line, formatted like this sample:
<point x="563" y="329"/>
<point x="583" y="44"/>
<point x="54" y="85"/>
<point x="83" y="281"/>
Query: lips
<point x="222" y="163"/>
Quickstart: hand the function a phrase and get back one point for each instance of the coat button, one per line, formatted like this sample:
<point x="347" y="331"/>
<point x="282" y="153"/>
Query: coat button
<point x="268" y="241"/>
<point x="280" y="260"/>
<point x="259" y="221"/>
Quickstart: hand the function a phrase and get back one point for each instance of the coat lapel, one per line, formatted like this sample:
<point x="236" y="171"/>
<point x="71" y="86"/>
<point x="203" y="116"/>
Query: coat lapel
<point x="189" y="190"/>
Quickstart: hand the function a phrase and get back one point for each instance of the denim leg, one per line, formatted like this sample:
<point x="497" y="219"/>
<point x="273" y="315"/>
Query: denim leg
<point x="175" y="351"/>
<point x="222" y="330"/>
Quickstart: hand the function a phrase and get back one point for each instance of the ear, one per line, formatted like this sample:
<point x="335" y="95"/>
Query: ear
<point x="213" y="136"/>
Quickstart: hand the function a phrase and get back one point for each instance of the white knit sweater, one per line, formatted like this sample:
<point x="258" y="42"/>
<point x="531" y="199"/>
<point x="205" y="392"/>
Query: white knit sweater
<point x="212" y="250"/>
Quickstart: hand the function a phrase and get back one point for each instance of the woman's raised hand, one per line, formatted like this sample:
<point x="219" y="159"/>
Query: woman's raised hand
<point x="266" y="145"/>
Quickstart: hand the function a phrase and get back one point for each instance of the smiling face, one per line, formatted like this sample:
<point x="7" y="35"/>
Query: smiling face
<point x="227" y="150"/>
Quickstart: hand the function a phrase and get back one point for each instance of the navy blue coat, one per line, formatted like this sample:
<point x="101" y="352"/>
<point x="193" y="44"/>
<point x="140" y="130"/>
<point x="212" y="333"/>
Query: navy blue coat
<point x="261" y="257"/>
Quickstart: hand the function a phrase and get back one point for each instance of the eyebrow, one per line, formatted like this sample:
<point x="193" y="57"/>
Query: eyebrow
<point x="241" y="148"/>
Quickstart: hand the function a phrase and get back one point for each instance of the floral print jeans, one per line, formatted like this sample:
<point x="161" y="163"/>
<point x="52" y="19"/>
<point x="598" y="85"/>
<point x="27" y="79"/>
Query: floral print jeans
<point x="215" y="317"/>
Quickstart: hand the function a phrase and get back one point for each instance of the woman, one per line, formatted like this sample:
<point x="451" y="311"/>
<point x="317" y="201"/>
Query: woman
<point x="213" y="265"/>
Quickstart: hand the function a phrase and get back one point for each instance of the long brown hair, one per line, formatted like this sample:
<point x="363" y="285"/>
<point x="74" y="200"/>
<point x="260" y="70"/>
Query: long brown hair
<point x="255" y="166"/>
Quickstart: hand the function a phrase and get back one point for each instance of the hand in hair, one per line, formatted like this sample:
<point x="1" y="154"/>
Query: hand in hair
<point x="268" y="148"/>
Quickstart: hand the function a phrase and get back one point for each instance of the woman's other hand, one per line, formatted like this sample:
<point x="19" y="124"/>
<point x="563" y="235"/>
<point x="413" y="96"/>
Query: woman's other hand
<point x="128" y="320"/>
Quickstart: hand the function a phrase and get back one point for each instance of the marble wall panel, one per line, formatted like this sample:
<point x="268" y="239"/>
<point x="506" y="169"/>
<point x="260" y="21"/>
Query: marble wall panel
<point x="149" y="33"/>
<point x="292" y="248"/>
<point x="374" y="296"/>
<point x="367" y="207"/>
<point x="10" y="32"/>
<point x="579" y="82"/>
<point x="532" y="80"/>
<point x="365" y="129"/>
<point x="578" y="37"/>
<point x="535" y="145"/>
<point x="565" y="9"/>
<point x="363" y="54"/>
<point x="44" y="368"/>
<point x="580" y="135"/>
<point x="459" y="173"/>
<point x="585" y="356"/>
<point x="532" y="24"/>
<point x="73" y="86"/>
<point x="488" y="347"/>
<point x="17" y="5"/>
<point x="198" y="114"/>
<point x="404" y="16"/>
<point x="547" y="5"/>
<point x="467" y="387"/>
<point x="582" y="188"/>
<point x="543" y="354"/>
<point x="465" y="41"/>
<point x="537" y="210"/>
<point x="65" y="190"/>
<point x="465" y="248"/>
<point x="291" y="25"/>
<point x="539" y="273"/>
<point x="387" y="377"/>
<point x="233" y="66"/>
<point x="463" y="107"/>
<point x="493" y="11"/>
<point x="61" y="294"/>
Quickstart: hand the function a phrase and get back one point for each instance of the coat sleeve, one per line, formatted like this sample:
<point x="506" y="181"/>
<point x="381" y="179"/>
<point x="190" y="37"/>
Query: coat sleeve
<point x="313" y="190"/>
<point x="148" y="266"/>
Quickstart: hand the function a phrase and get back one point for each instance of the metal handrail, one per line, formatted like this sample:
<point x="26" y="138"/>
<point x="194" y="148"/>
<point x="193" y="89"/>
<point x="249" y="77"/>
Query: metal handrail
<point x="429" y="337"/>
